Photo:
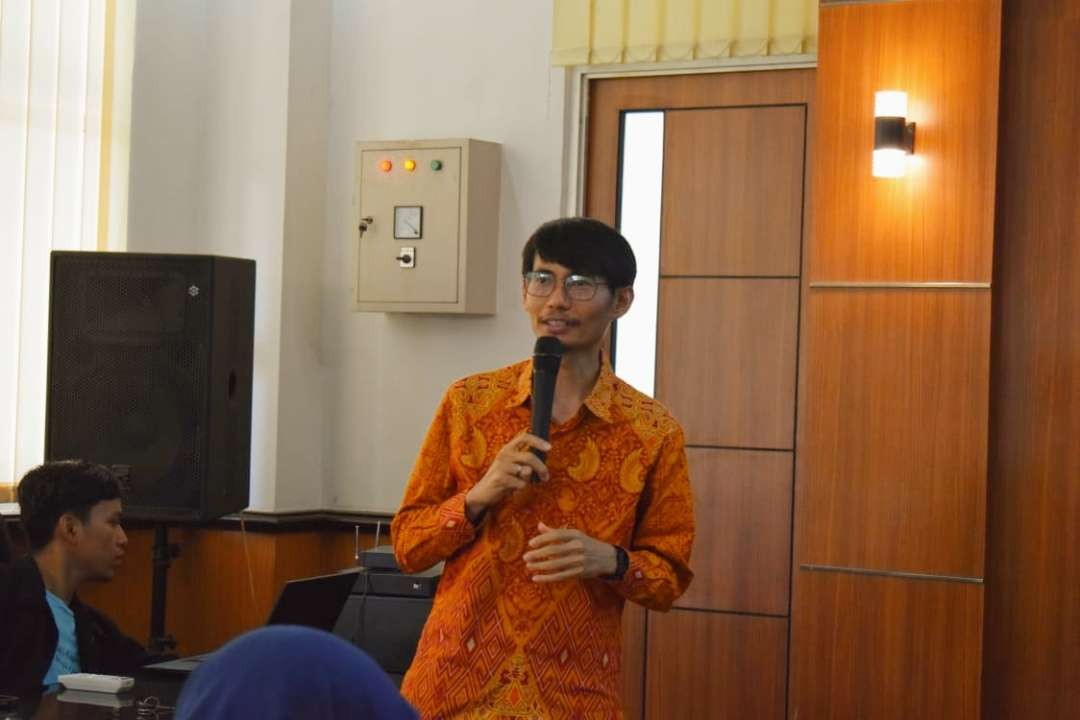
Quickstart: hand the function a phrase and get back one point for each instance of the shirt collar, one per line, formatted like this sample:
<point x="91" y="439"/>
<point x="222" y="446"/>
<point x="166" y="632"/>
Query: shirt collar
<point x="600" y="400"/>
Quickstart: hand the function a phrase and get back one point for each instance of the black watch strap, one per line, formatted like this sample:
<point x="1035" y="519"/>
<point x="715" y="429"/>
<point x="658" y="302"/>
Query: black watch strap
<point x="622" y="564"/>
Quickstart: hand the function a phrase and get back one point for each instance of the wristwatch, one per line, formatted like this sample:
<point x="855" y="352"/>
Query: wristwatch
<point x="622" y="564"/>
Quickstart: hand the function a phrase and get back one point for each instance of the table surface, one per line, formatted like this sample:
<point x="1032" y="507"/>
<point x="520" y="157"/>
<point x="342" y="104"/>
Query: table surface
<point x="154" y="696"/>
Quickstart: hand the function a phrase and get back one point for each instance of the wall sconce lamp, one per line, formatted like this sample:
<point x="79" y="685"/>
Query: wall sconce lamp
<point x="894" y="136"/>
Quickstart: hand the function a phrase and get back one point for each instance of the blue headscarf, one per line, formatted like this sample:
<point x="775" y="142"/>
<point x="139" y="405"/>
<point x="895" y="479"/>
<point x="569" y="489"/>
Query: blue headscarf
<point x="290" y="673"/>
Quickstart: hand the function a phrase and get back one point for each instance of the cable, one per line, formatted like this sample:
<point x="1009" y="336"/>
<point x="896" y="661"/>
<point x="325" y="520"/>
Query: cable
<point x="247" y="561"/>
<point x="358" y="636"/>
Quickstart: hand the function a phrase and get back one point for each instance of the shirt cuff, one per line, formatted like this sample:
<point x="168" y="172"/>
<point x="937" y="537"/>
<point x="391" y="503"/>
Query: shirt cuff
<point x="455" y="524"/>
<point x="635" y="580"/>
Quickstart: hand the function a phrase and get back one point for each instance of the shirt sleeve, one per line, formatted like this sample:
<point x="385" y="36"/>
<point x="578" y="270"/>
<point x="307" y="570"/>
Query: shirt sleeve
<point x="659" y="570"/>
<point x="431" y="525"/>
<point x="105" y="649"/>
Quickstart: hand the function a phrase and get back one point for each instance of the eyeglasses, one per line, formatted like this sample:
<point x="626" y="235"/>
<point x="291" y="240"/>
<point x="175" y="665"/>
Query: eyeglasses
<point x="541" y="283"/>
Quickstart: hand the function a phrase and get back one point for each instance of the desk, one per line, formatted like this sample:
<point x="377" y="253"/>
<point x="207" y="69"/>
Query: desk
<point x="70" y="705"/>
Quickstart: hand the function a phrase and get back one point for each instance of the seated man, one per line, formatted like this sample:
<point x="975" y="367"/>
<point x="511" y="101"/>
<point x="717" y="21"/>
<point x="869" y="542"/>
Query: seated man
<point x="70" y="513"/>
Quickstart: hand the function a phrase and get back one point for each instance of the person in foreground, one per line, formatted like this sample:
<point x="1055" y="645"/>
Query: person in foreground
<point x="70" y="512"/>
<point x="284" y="672"/>
<point x="541" y="555"/>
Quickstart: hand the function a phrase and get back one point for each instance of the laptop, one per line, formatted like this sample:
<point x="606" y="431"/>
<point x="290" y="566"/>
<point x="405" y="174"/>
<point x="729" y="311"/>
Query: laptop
<point x="313" y="602"/>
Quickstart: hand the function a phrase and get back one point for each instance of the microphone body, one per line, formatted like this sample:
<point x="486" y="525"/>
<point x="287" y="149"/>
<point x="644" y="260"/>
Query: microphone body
<point x="547" y="354"/>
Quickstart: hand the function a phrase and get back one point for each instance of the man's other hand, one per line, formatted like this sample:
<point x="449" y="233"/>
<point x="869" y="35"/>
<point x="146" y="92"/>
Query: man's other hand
<point x="565" y="554"/>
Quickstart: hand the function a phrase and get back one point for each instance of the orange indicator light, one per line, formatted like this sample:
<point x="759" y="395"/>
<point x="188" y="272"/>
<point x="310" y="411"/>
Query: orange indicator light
<point x="410" y="165"/>
<point x="386" y="165"/>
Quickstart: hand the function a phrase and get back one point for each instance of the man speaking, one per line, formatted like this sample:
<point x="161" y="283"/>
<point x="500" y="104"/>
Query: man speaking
<point x="544" y="541"/>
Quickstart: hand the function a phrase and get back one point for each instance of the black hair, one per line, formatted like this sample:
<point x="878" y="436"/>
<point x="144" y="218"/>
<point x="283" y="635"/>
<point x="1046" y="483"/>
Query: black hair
<point x="586" y="247"/>
<point x="69" y="486"/>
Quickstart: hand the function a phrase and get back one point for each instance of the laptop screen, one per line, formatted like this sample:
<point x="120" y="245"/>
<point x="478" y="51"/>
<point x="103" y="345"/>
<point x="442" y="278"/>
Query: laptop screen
<point x="314" y="602"/>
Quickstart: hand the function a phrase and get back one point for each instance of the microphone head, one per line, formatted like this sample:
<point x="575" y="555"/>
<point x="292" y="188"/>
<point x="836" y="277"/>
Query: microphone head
<point x="547" y="354"/>
<point x="547" y="345"/>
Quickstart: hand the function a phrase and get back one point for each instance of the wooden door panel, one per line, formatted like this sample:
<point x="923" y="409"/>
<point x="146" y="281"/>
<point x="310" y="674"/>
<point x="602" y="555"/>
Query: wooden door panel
<point x="726" y="360"/>
<point x="742" y="551"/>
<point x="715" y="665"/>
<point x="893" y="455"/>
<point x="884" y="648"/>
<point x="609" y="98"/>
<point x="733" y="191"/>
<point x="726" y="366"/>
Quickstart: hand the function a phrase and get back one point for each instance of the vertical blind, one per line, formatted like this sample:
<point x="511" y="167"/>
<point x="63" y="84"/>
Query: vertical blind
<point x="55" y="103"/>
<point x="597" y="32"/>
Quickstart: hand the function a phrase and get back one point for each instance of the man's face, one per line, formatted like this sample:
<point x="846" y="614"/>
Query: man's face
<point x="99" y="543"/>
<point x="579" y="324"/>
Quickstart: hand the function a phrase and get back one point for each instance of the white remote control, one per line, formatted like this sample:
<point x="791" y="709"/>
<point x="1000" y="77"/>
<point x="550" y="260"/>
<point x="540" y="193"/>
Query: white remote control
<point x="97" y="683"/>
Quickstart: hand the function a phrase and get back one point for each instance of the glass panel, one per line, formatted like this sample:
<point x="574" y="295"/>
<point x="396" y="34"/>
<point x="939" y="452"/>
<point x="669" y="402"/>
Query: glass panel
<point x="639" y="221"/>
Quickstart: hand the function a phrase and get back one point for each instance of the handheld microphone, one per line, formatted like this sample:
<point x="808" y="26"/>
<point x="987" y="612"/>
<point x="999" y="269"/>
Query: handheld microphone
<point x="547" y="354"/>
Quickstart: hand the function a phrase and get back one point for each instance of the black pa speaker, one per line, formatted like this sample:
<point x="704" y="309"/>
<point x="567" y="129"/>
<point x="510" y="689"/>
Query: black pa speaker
<point x="150" y="372"/>
<point x="386" y="628"/>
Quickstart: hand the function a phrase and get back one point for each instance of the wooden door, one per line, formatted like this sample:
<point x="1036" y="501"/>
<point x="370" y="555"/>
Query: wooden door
<point x="733" y="219"/>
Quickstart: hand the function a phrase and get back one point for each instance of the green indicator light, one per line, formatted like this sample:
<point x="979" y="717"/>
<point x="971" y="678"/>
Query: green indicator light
<point x="436" y="165"/>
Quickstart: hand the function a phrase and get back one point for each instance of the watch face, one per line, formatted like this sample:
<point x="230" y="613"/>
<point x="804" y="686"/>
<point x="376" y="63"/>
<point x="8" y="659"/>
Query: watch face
<point x="408" y="222"/>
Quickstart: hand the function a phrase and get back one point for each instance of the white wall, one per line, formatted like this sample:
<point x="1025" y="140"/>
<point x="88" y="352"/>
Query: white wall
<point x="210" y="109"/>
<point x="298" y="481"/>
<point x="244" y="118"/>
<point x="428" y="69"/>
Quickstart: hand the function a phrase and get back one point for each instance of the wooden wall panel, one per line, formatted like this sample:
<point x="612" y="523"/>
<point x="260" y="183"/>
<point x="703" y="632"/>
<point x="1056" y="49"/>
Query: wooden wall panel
<point x="737" y="338"/>
<point x="893" y="452"/>
<point x="1032" y="653"/>
<point x="751" y="161"/>
<point x="937" y="223"/>
<point x="210" y="599"/>
<point x="714" y="665"/>
<point x="742" y="551"/>
<point x="885" y="648"/>
<point x="608" y="98"/>
<point x="894" y="382"/>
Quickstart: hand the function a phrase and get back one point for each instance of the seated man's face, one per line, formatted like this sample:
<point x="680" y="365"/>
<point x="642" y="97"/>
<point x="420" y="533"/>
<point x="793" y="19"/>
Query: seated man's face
<point x="101" y="543"/>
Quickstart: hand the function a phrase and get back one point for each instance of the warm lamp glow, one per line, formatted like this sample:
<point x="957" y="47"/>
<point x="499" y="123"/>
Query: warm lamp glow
<point x="890" y="163"/>
<point x="890" y="103"/>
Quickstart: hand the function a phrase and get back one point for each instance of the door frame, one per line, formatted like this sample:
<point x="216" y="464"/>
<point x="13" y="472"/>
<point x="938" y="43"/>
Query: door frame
<point x="576" y="116"/>
<point x="578" y="179"/>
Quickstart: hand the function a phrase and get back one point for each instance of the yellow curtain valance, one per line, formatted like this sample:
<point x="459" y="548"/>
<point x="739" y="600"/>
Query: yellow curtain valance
<point x="598" y="32"/>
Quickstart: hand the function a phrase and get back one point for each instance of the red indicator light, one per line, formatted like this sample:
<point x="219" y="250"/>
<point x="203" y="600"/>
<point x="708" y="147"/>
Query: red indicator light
<point x="386" y="166"/>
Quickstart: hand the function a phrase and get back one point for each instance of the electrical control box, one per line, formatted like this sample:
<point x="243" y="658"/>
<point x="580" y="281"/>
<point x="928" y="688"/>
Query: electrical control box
<point x="426" y="228"/>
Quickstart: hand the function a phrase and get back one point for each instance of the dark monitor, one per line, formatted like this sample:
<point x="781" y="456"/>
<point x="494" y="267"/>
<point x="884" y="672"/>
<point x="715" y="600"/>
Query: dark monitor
<point x="314" y="602"/>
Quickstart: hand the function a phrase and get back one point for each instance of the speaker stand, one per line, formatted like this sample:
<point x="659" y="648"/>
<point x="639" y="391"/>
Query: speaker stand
<point x="164" y="553"/>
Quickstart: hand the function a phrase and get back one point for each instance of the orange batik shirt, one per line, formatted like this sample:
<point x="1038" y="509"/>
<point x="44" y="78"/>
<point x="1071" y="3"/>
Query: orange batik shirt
<point x="497" y="644"/>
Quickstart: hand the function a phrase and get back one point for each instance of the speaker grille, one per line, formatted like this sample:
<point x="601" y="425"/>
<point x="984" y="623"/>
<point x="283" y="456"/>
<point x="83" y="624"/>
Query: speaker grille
<point x="129" y="367"/>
